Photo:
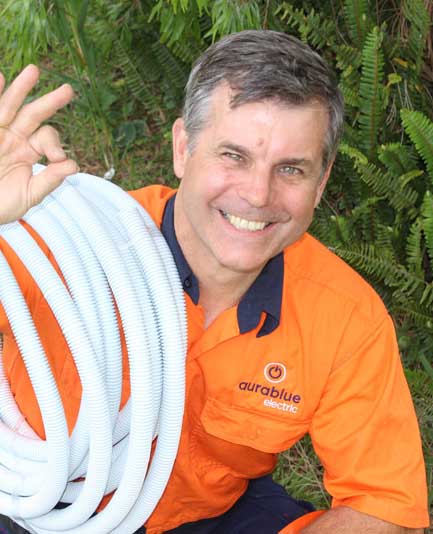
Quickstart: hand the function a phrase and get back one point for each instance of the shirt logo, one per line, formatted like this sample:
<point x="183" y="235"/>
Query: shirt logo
<point x="278" y="399"/>
<point x="275" y="372"/>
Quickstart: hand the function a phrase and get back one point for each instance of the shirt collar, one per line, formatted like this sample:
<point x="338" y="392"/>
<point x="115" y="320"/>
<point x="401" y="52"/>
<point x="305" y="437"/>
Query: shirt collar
<point x="265" y="294"/>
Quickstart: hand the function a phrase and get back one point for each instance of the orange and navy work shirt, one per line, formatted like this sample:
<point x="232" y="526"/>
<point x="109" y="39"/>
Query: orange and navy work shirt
<point x="310" y="348"/>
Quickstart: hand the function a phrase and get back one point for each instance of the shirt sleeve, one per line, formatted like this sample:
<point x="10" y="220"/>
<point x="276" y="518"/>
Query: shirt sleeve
<point x="366" y="434"/>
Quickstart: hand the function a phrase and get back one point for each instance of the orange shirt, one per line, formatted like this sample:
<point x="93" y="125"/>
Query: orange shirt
<point x="331" y="367"/>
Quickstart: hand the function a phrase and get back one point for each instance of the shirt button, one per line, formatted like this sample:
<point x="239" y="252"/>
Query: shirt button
<point x="187" y="283"/>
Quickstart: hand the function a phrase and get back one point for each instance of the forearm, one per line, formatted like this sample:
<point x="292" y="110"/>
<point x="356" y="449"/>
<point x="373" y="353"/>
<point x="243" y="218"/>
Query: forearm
<point x="344" y="520"/>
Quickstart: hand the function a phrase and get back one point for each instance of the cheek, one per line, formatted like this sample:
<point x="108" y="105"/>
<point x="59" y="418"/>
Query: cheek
<point x="213" y="181"/>
<point x="299" y="204"/>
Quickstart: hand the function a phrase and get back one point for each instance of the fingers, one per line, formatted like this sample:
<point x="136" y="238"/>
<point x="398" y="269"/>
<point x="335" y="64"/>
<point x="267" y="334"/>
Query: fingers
<point x="46" y="142"/>
<point x="26" y="120"/>
<point x="31" y="115"/>
<point x="46" y="181"/>
<point x="15" y="94"/>
<point x="2" y="82"/>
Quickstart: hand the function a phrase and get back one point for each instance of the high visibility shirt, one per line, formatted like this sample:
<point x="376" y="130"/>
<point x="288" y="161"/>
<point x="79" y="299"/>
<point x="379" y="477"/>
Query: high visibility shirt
<point x="318" y="356"/>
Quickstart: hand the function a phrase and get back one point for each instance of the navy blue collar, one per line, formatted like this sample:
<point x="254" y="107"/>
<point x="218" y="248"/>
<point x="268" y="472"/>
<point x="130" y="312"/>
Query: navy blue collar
<point x="265" y="294"/>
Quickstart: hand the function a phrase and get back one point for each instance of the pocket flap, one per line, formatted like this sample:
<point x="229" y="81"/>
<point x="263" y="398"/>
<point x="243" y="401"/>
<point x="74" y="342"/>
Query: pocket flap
<point x="245" y="427"/>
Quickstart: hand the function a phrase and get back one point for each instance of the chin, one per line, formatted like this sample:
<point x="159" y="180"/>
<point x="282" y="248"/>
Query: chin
<point x="245" y="266"/>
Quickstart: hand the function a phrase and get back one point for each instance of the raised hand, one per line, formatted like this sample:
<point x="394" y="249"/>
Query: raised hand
<point x="23" y="141"/>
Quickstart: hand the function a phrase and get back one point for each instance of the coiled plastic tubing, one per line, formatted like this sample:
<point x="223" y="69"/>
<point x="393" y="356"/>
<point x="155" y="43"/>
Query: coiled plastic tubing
<point x="112" y="257"/>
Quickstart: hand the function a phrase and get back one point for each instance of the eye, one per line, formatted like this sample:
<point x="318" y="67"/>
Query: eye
<point x="233" y="156"/>
<point x="288" y="170"/>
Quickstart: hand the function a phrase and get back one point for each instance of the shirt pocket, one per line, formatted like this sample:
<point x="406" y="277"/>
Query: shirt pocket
<point x="245" y="441"/>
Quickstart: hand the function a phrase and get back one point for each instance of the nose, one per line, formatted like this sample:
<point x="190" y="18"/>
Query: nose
<point x="255" y="189"/>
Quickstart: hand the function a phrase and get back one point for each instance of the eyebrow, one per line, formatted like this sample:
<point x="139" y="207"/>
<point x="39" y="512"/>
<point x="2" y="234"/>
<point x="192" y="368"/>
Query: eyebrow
<point x="298" y="162"/>
<point x="236" y="148"/>
<point x="302" y="162"/>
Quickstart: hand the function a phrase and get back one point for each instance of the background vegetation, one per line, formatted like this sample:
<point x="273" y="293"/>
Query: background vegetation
<point x="128" y="61"/>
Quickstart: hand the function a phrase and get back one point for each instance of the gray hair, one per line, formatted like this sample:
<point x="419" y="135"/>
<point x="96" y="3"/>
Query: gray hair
<point x="263" y="65"/>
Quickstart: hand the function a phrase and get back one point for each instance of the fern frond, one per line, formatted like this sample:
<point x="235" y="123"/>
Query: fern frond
<point x="418" y="17"/>
<point x="230" y="17"/>
<point x="312" y="26"/>
<point x="353" y="153"/>
<point x="355" y="12"/>
<point x="187" y="52"/>
<point x="137" y="84"/>
<point x="407" y="177"/>
<point x="420" y="130"/>
<point x="397" y="158"/>
<point x="348" y="56"/>
<point x="351" y="133"/>
<point x="427" y="222"/>
<point x="369" y="259"/>
<point x="351" y="96"/>
<point x="415" y="314"/>
<point x="421" y="386"/>
<point x="342" y="228"/>
<point x="387" y="186"/>
<point x="366" y="221"/>
<point x="365" y="206"/>
<point x="371" y="90"/>
<point x="323" y="228"/>
<point x="176" y="74"/>
<point x="427" y="296"/>
<point x="414" y="249"/>
<point x="384" y="240"/>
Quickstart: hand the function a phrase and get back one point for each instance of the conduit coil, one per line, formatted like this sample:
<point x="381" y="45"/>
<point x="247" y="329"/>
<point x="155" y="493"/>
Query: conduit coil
<point x="111" y="255"/>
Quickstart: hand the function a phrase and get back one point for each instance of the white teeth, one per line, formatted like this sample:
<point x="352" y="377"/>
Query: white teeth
<point x="243" y="224"/>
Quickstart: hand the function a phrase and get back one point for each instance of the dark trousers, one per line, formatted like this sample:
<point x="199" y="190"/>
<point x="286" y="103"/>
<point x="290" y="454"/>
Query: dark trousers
<point x="265" y="508"/>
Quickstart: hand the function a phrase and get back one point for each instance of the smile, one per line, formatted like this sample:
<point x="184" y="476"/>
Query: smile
<point x="244" y="224"/>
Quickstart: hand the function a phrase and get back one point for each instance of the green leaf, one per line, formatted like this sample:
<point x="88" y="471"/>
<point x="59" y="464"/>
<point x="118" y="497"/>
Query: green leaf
<point x="419" y="19"/>
<point x="355" y="12"/>
<point x="420" y="130"/>
<point x="427" y="224"/>
<point x="126" y="134"/>
<point x="414" y="249"/>
<point x="371" y="91"/>
<point x="427" y="366"/>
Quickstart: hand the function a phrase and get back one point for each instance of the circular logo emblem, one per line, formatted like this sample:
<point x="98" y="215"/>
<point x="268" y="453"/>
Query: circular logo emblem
<point x="275" y="372"/>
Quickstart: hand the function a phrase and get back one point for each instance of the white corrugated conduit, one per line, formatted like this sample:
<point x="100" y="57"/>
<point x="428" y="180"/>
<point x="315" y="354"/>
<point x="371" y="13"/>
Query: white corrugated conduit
<point x="111" y="255"/>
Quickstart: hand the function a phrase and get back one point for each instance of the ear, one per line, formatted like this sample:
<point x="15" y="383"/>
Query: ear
<point x="323" y="182"/>
<point x="180" y="148"/>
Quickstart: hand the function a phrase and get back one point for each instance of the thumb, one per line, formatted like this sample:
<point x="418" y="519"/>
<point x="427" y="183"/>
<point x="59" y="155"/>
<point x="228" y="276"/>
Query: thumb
<point x="47" y="180"/>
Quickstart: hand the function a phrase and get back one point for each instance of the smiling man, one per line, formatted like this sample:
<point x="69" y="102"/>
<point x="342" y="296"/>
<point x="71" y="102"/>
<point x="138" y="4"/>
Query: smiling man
<point x="248" y="190"/>
<point x="284" y="338"/>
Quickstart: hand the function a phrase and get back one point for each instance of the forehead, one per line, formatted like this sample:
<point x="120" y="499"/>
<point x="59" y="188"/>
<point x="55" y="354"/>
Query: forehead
<point x="269" y="123"/>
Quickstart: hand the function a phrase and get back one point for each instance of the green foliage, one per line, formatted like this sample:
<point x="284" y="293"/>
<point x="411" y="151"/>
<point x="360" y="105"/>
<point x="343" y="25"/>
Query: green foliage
<point x="68" y="21"/>
<point x="229" y="17"/>
<point x="25" y="33"/>
<point x="420" y="130"/>
<point x="112" y="56"/>
<point x="311" y="26"/>
<point x="300" y="472"/>
<point x="371" y="91"/>
<point x="179" y="21"/>
<point x="356" y="15"/>
<point x="419" y="21"/>
<point x="420" y="383"/>
<point x="427" y="223"/>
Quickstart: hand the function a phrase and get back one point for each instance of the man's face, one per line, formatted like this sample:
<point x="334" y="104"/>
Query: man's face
<point x="251" y="183"/>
